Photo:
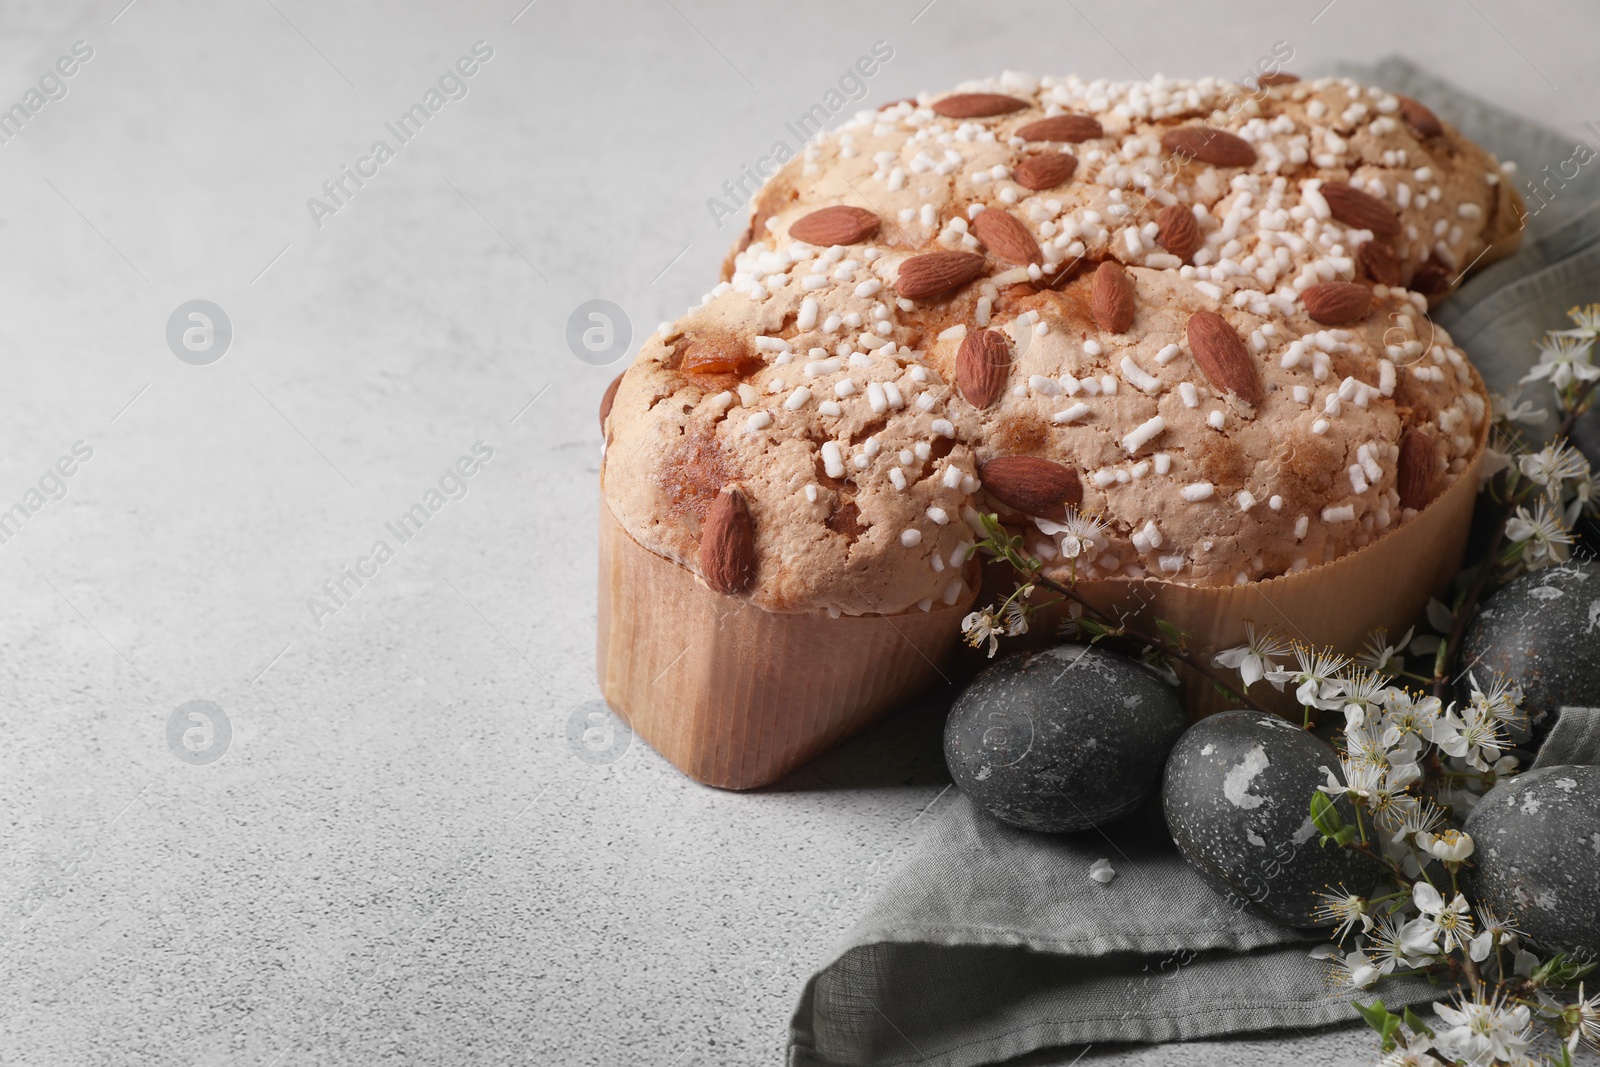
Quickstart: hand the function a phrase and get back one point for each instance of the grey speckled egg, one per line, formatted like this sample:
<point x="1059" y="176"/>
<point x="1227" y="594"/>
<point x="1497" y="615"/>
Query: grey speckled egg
<point x="1238" y="804"/>
<point x="1543" y="632"/>
<point x="1538" y="855"/>
<point x="1062" y="740"/>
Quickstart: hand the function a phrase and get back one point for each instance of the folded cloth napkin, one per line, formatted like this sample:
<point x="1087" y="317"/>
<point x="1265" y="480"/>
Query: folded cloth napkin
<point x="992" y="942"/>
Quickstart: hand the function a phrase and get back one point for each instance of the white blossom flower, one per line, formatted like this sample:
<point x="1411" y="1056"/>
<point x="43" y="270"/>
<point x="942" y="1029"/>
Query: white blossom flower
<point x="1359" y="972"/>
<point x="1453" y="920"/>
<point x="1496" y="931"/>
<point x="1471" y="735"/>
<point x="1378" y="654"/>
<point x="1343" y="908"/>
<point x="1588" y="1012"/>
<point x="1413" y="1055"/>
<point x="981" y="626"/>
<point x="1586" y="318"/>
<point x="1552" y="466"/>
<point x="1442" y="620"/>
<point x="1585" y="497"/>
<point x="1502" y="702"/>
<point x="1564" y="359"/>
<point x="1482" y="1032"/>
<point x="1512" y="408"/>
<point x="1451" y="846"/>
<point x="1387" y="945"/>
<point x="1544" y="537"/>
<point x="1080" y="534"/>
<point x="1015" y="614"/>
<point x="1494" y="461"/>
<point x="1253" y="659"/>
<point x="1316" y="676"/>
<point x="1406" y="715"/>
<point x="1420" y="820"/>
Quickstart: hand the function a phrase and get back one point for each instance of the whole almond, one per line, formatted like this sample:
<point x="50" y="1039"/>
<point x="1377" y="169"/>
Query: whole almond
<point x="1431" y="279"/>
<point x="1006" y="237"/>
<point x="982" y="364"/>
<point x="1045" y="170"/>
<point x="1337" y="303"/>
<point x="1111" y="298"/>
<point x="1361" y="210"/>
<point x="1414" y="478"/>
<point x="1177" y="231"/>
<point x="1032" y="485"/>
<point x="937" y="273"/>
<point x="728" y="543"/>
<point x="837" y="225"/>
<point x="977" y="105"/>
<point x="1217" y="147"/>
<point x="1420" y="116"/>
<point x="1069" y="128"/>
<point x="608" y="399"/>
<point x="716" y="354"/>
<point x="1220" y="352"/>
<point x="1278" y="77"/>
<point x="1380" y="262"/>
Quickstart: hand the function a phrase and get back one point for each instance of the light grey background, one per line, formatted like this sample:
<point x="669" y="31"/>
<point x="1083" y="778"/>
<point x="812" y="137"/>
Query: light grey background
<point x="399" y="854"/>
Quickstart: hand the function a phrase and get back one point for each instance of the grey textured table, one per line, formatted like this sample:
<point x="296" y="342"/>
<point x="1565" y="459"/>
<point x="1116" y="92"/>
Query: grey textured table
<point x="398" y="852"/>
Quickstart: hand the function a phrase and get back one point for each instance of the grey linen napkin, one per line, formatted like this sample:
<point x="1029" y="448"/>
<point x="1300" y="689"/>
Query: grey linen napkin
<point x="992" y="942"/>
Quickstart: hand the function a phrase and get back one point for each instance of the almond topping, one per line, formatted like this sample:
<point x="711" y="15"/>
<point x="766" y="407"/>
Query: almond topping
<point x="977" y="105"/>
<point x="1069" y="128"/>
<point x="717" y="354"/>
<point x="937" y="273"/>
<point x="1337" y="303"/>
<point x="1111" y="298"/>
<point x="1032" y="485"/>
<point x="837" y="225"/>
<point x="1177" y="231"/>
<point x="1380" y="263"/>
<point x="1431" y="279"/>
<point x="1045" y="170"/>
<point x="982" y="364"/>
<point x="1420" y="117"/>
<point x="1220" y="352"/>
<point x="1217" y="147"/>
<point x="1006" y="237"/>
<point x="1361" y="210"/>
<point x="1414" y="478"/>
<point x="1278" y="77"/>
<point x="728" y="543"/>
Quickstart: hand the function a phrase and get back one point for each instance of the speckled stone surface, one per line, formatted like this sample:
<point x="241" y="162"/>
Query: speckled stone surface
<point x="1237" y="797"/>
<point x="1064" y="739"/>
<point x="1542" y="631"/>
<point x="1538" y="855"/>
<point x="399" y="855"/>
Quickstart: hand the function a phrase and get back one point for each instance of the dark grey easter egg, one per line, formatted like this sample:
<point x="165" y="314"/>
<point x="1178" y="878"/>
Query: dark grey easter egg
<point x="1543" y="632"/>
<point x="1238" y="804"/>
<point x="1537" y="860"/>
<point x="1062" y="740"/>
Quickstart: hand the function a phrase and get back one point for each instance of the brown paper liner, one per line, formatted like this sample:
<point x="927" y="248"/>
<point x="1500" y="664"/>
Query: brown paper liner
<point x="1384" y="584"/>
<point x="736" y="696"/>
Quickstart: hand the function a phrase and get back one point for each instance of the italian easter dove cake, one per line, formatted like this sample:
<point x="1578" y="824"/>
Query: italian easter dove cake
<point x="1174" y="333"/>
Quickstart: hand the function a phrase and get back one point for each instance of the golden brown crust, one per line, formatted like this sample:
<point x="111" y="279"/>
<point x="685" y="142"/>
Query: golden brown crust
<point x="822" y="380"/>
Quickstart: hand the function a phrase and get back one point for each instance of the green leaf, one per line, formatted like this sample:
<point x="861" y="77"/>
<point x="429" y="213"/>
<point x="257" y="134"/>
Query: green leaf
<point x="1417" y="1025"/>
<point x="1380" y="1019"/>
<point x="1559" y="971"/>
<point x="1324" y="815"/>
